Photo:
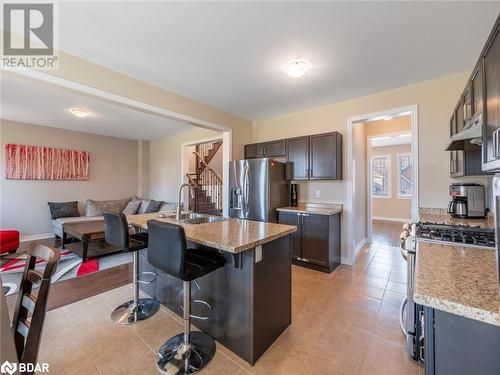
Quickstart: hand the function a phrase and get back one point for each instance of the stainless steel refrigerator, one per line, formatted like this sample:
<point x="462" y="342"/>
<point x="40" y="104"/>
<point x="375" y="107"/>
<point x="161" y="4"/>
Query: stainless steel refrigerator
<point x="256" y="188"/>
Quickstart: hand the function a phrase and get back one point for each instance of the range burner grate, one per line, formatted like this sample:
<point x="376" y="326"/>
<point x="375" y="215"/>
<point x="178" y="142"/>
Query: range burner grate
<point x="466" y="234"/>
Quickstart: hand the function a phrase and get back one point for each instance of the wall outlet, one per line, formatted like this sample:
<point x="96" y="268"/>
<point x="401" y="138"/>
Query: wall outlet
<point x="317" y="194"/>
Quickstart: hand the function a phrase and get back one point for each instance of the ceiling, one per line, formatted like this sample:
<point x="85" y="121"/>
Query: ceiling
<point x="33" y="102"/>
<point x="230" y="54"/>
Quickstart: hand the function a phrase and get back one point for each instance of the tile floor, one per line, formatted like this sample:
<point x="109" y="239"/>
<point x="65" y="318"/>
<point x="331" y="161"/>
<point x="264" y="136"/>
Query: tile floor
<point x="343" y="323"/>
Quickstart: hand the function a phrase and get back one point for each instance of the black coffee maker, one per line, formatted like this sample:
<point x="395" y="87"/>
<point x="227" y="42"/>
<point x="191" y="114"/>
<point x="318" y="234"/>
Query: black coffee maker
<point x="294" y="195"/>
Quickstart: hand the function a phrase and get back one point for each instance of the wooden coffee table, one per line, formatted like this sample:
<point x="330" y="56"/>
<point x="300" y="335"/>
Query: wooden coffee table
<point x="91" y="235"/>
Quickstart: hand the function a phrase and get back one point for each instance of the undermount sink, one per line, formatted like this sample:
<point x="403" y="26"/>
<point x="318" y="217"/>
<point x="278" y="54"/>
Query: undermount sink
<point x="196" y="218"/>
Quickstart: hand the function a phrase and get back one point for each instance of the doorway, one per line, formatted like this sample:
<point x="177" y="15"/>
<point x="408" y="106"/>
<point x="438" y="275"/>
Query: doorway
<point x="202" y="169"/>
<point x="383" y="183"/>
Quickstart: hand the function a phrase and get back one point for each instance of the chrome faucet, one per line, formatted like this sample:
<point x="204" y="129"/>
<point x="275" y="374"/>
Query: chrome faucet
<point x="178" y="210"/>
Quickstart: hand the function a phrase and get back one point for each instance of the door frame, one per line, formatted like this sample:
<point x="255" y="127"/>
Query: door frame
<point x="351" y="196"/>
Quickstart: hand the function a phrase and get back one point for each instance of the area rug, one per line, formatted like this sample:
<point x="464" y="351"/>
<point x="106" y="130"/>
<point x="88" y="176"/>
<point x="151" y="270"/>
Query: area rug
<point x="70" y="266"/>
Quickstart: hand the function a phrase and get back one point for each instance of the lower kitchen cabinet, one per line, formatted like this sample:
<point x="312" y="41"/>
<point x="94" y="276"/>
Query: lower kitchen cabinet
<point x="316" y="243"/>
<point x="456" y="345"/>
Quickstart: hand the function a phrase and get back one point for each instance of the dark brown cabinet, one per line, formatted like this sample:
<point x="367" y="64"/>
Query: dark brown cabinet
<point x="316" y="243"/>
<point x="325" y="161"/>
<point x="491" y="101"/>
<point x="265" y="150"/>
<point x="456" y="157"/>
<point x="297" y="157"/>
<point x="316" y="157"/>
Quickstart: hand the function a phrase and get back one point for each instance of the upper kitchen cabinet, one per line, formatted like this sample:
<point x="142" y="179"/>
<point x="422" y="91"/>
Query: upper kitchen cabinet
<point x="297" y="157"/>
<point x="316" y="157"/>
<point x="265" y="150"/>
<point x="313" y="157"/>
<point x="325" y="161"/>
<point x="491" y="101"/>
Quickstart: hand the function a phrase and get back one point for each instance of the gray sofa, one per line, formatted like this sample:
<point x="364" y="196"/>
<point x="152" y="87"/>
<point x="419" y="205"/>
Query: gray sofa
<point x="95" y="209"/>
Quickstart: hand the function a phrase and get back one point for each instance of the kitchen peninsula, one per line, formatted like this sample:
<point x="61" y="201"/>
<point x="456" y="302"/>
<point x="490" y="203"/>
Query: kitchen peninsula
<point x="250" y="297"/>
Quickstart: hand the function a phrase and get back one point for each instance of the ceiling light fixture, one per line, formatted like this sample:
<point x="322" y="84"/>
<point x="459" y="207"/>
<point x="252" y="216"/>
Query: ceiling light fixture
<point x="79" y="112"/>
<point x="296" y="68"/>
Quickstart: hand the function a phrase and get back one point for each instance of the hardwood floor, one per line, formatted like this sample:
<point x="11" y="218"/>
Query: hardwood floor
<point x="386" y="232"/>
<point x="65" y="292"/>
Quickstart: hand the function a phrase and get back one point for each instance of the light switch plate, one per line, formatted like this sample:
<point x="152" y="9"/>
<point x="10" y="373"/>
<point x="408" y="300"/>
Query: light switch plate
<point x="258" y="253"/>
<point x="317" y="193"/>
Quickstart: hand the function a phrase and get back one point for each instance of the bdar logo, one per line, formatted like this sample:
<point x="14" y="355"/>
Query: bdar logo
<point x="8" y="368"/>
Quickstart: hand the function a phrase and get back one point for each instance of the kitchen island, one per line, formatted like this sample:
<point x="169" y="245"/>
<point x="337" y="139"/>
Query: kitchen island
<point x="250" y="297"/>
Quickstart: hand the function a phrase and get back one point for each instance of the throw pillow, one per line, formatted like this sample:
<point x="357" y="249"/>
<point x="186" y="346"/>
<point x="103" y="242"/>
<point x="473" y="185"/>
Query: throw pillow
<point x="154" y="206"/>
<point x="132" y="207"/>
<point x="166" y="206"/>
<point x="96" y="208"/>
<point x="144" y="206"/>
<point x="63" y="209"/>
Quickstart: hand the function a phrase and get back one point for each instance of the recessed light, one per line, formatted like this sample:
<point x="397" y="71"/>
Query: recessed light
<point x="79" y="112"/>
<point x="296" y="68"/>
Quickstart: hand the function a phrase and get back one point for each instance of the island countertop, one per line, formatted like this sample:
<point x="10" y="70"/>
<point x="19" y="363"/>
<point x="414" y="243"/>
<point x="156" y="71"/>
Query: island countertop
<point x="458" y="280"/>
<point x="231" y="235"/>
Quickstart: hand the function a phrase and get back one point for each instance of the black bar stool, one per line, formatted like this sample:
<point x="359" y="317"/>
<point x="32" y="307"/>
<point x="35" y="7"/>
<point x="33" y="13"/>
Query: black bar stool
<point x="187" y="352"/>
<point x="117" y="233"/>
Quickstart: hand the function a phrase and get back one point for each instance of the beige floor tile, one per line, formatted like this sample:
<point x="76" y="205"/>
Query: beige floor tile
<point x="386" y="357"/>
<point x="397" y="287"/>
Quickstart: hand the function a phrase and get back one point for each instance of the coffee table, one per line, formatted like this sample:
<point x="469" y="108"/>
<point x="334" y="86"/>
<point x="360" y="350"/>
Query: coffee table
<point x="91" y="235"/>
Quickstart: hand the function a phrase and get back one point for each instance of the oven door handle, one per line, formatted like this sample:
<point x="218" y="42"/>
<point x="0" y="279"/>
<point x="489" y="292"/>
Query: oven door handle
<point x="401" y="315"/>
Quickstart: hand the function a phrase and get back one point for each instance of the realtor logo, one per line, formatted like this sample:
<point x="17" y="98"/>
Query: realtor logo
<point x="29" y="35"/>
<point x="8" y="368"/>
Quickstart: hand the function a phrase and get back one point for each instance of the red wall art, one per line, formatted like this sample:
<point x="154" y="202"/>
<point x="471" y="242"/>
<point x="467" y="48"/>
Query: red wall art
<point x="45" y="163"/>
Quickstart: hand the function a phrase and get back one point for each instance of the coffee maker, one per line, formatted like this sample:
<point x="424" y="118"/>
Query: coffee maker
<point x="467" y="201"/>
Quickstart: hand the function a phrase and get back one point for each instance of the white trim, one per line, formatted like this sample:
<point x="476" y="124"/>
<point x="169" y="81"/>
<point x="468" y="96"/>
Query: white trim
<point x="399" y="219"/>
<point x="359" y="246"/>
<point x="350" y="189"/>
<point x="389" y="175"/>
<point x="34" y="237"/>
<point x="398" y="171"/>
<point x="227" y="133"/>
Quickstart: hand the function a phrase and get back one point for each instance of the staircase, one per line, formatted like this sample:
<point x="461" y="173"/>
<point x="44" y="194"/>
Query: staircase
<point x="205" y="182"/>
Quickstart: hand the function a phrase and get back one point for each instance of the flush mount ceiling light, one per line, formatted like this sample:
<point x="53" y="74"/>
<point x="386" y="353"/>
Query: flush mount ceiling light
<point x="79" y="112"/>
<point x="296" y="68"/>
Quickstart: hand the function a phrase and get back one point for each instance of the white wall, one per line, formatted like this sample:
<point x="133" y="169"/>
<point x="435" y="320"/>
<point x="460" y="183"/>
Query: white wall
<point x="166" y="162"/>
<point x="113" y="174"/>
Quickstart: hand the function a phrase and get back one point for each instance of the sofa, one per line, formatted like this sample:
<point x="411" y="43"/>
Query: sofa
<point x="63" y="213"/>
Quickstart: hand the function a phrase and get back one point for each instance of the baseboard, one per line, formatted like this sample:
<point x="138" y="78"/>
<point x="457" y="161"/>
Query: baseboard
<point x="346" y="260"/>
<point x="359" y="246"/>
<point x="384" y="218"/>
<point x="34" y="237"/>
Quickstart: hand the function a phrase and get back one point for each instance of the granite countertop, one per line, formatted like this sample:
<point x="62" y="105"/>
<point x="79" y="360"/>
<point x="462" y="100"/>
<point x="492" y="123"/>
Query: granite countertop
<point x="314" y="208"/>
<point x="459" y="280"/>
<point x="439" y="215"/>
<point x="231" y="235"/>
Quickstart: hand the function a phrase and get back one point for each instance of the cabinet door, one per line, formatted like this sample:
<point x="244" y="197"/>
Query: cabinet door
<point x="274" y="149"/>
<point x="459" y="166"/>
<point x="324" y="157"/>
<point x="255" y="150"/>
<point x="315" y="234"/>
<point x="290" y="218"/>
<point x="477" y="90"/>
<point x="491" y="109"/>
<point x="467" y="103"/>
<point x="297" y="157"/>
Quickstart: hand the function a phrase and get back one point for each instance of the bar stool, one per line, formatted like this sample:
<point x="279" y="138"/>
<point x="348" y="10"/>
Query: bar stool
<point x="187" y="352"/>
<point x="117" y="233"/>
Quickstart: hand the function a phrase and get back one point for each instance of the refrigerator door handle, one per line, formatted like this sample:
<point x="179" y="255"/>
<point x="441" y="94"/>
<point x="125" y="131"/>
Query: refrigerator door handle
<point x="247" y="186"/>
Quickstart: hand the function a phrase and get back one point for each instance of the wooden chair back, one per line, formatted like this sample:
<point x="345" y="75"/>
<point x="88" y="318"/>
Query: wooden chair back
<point x="29" y="314"/>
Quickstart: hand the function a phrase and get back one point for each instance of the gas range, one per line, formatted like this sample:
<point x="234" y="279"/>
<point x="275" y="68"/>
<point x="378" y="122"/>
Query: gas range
<point x="465" y="235"/>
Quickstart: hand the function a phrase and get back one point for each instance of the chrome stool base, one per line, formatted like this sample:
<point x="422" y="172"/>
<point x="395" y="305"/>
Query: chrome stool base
<point x="129" y="313"/>
<point x="178" y="357"/>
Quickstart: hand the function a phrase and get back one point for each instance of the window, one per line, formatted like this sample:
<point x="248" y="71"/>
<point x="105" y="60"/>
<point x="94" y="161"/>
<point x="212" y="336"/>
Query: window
<point x="381" y="176"/>
<point x="405" y="176"/>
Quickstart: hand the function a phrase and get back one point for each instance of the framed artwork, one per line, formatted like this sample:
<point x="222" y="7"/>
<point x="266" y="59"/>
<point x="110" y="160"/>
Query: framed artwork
<point x="24" y="162"/>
